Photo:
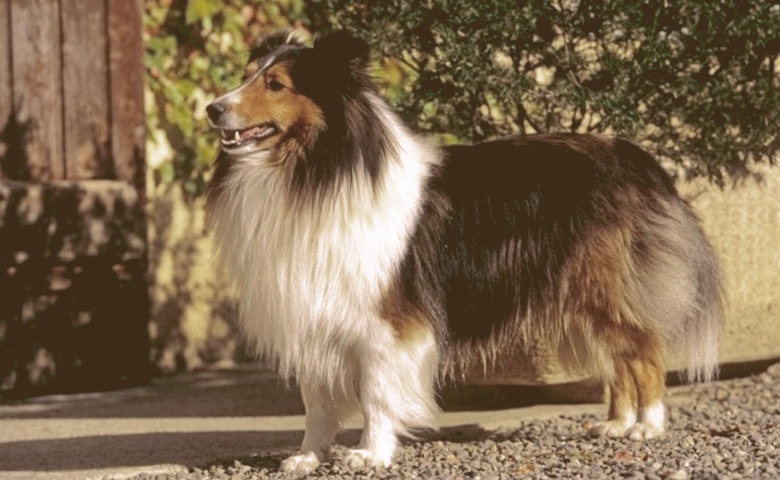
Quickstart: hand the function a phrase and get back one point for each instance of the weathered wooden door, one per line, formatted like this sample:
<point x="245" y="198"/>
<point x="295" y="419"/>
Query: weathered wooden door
<point x="73" y="290"/>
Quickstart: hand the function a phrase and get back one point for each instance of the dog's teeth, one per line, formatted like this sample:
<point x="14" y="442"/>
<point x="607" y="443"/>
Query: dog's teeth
<point x="234" y="138"/>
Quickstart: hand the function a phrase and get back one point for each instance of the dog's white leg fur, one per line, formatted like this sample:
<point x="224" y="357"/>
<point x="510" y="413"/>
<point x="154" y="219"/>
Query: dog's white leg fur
<point x="396" y="392"/>
<point x="614" y="428"/>
<point x="623" y="402"/>
<point x="378" y="442"/>
<point x="324" y="414"/>
<point x="650" y="424"/>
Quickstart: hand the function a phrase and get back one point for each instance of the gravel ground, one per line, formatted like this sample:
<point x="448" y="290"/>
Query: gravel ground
<point x="725" y="430"/>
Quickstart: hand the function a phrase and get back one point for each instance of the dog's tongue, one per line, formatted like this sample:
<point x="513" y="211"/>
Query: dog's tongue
<point x="252" y="132"/>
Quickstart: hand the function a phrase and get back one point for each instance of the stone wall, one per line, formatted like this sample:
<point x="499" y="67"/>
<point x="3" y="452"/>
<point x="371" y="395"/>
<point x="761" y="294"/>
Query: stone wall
<point x="192" y="311"/>
<point x="743" y="222"/>
<point x="73" y="289"/>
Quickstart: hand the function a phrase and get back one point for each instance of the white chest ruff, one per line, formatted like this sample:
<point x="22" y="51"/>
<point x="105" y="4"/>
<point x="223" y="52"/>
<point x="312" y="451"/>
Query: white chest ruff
<point x="311" y="275"/>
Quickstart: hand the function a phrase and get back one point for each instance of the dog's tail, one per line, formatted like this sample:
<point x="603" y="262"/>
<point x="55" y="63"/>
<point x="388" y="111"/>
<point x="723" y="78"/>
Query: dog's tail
<point x="681" y="280"/>
<point x="704" y="325"/>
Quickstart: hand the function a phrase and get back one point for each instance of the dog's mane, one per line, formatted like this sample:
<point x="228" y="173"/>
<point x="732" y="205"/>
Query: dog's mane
<point x="333" y="73"/>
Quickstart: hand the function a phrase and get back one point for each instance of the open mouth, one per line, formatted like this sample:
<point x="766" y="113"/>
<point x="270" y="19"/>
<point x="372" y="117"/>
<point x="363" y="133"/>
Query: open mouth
<point x="240" y="138"/>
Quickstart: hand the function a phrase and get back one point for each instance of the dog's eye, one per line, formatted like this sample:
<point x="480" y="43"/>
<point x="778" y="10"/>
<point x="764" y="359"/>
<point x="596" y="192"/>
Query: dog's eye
<point x="274" y="85"/>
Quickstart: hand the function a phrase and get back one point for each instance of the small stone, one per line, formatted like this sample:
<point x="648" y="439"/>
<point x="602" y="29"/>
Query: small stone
<point x="774" y="370"/>
<point x="677" y="475"/>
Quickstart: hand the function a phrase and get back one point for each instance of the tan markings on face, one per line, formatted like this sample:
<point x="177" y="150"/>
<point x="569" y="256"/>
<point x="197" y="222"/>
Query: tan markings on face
<point x="250" y="69"/>
<point x="270" y="97"/>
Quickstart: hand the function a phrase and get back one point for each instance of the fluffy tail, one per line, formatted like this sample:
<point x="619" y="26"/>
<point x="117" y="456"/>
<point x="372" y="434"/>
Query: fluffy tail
<point x="682" y="290"/>
<point x="704" y="327"/>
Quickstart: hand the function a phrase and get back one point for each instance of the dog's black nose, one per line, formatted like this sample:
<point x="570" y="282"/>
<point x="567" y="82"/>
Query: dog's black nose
<point x="215" y="111"/>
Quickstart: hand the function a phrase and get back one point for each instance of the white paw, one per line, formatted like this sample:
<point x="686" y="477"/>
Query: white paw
<point x="609" y="428"/>
<point x="644" y="431"/>
<point x="303" y="463"/>
<point x="360" y="459"/>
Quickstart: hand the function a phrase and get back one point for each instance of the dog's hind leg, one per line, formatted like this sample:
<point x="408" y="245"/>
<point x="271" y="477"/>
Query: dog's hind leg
<point x="636" y="390"/>
<point x="324" y="414"/>
<point x="622" y="403"/>
<point x="648" y="374"/>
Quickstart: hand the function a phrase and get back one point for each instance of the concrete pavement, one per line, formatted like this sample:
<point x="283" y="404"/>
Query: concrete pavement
<point x="177" y="423"/>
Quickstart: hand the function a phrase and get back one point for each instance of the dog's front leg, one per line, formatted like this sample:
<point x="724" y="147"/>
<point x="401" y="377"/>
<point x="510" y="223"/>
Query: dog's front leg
<point x="396" y="391"/>
<point x="322" y="424"/>
<point x="378" y="442"/>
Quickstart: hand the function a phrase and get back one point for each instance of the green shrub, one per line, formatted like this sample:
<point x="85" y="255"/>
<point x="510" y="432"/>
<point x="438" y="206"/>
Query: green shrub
<point x="697" y="83"/>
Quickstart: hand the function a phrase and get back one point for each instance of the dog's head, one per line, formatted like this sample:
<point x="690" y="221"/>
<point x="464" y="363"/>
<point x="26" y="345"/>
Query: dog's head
<point x="288" y="92"/>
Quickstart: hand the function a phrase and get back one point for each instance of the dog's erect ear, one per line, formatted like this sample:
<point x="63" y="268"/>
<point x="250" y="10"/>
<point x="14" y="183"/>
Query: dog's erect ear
<point x="341" y="47"/>
<point x="273" y="42"/>
<point x="334" y="66"/>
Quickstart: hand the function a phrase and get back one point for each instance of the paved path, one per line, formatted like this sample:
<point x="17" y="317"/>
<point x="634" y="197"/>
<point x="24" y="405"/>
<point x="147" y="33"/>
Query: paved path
<point x="192" y="420"/>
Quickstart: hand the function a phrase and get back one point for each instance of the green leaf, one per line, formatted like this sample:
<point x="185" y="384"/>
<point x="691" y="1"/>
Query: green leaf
<point x="200" y="9"/>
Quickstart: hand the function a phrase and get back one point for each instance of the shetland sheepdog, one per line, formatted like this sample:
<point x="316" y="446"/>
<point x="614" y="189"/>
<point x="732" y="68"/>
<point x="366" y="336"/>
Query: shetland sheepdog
<point x="371" y="264"/>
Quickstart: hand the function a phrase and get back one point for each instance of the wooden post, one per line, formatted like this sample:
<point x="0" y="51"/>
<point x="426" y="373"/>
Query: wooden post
<point x="74" y="300"/>
<point x="37" y="86"/>
<point x="5" y="77"/>
<point x="126" y="52"/>
<point x="85" y="83"/>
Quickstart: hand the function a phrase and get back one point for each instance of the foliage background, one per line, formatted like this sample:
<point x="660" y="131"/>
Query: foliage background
<point x="194" y="50"/>
<point x="696" y="83"/>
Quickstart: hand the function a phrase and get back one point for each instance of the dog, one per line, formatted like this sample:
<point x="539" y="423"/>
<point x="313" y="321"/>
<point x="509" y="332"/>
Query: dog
<point x="373" y="265"/>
